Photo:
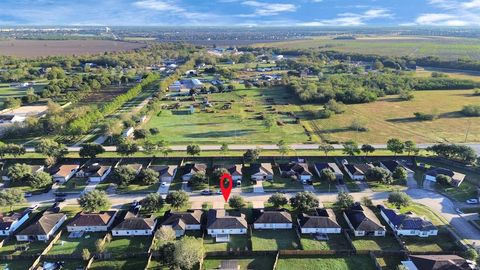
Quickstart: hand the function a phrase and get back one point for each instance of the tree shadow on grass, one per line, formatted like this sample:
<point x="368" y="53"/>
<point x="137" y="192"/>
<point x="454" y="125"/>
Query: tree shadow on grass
<point x="219" y="134"/>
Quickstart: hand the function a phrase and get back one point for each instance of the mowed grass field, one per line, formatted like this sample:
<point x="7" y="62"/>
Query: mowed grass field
<point x="326" y="263"/>
<point x="7" y="91"/>
<point x="236" y="125"/>
<point x="415" y="46"/>
<point x="389" y="117"/>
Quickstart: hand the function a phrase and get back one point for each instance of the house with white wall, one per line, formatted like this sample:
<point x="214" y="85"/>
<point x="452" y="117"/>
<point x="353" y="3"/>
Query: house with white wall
<point x="65" y="172"/>
<point x="261" y="171"/>
<point x="363" y="222"/>
<point x="323" y="222"/>
<point x="408" y="224"/>
<point x="134" y="225"/>
<point x="44" y="228"/>
<point x="272" y="220"/>
<point x="92" y="222"/>
<point x="221" y="224"/>
<point x="10" y="222"/>
<point x="181" y="222"/>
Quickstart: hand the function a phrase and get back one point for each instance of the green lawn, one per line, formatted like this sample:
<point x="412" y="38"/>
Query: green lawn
<point x="327" y="263"/>
<point x="274" y="239"/>
<point x="237" y="242"/>
<point x="260" y="262"/>
<point x="34" y="248"/>
<point x="375" y="243"/>
<point x="66" y="245"/>
<point x="129" y="264"/>
<point x="139" y="188"/>
<point x="122" y="245"/>
<point x="390" y="262"/>
<point x="335" y="242"/>
<point x="381" y="187"/>
<point x="236" y="125"/>
<point x="74" y="185"/>
<point x="16" y="265"/>
<point x="280" y="182"/>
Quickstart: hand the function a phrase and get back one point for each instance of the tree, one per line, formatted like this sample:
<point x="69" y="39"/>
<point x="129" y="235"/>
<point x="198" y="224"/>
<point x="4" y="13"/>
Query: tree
<point x="99" y="246"/>
<point x="278" y="200"/>
<point x="51" y="148"/>
<point x="177" y="199"/>
<point x="149" y="147"/>
<point x="344" y="200"/>
<point x="251" y="155"/>
<point x="470" y="254"/>
<point x="224" y="148"/>
<point x="326" y="148"/>
<point x="40" y="180"/>
<point x="11" y="197"/>
<point x="127" y="148"/>
<point x="443" y="179"/>
<point x="454" y="151"/>
<point x="236" y="202"/>
<point x="304" y="201"/>
<point x="283" y="148"/>
<point x="152" y="202"/>
<point x="378" y="174"/>
<point x="124" y="175"/>
<point x="395" y="146"/>
<point x="367" y="201"/>
<point x="148" y="176"/>
<point x="410" y="147"/>
<point x="91" y="150"/>
<point x="11" y="149"/>
<point x="327" y="176"/>
<point x="189" y="252"/>
<point x="165" y="234"/>
<point x="140" y="133"/>
<point x="193" y="149"/>
<point x="367" y="148"/>
<point x="94" y="201"/>
<point x="399" y="199"/>
<point x="19" y="172"/>
<point x="86" y="254"/>
<point x="400" y="174"/>
<point x="166" y="151"/>
<point x="198" y="180"/>
<point x="350" y="148"/>
<point x="269" y="122"/>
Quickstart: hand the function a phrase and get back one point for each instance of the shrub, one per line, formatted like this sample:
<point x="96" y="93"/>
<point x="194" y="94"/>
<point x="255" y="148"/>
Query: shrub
<point x="424" y="116"/>
<point x="471" y="110"/>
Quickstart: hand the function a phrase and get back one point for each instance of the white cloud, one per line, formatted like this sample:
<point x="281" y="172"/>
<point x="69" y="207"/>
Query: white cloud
<point x="352" y="19"/>
<point x="455" y="13"/>
<point x="269" y="9"/>
<point x="158" y="5"/>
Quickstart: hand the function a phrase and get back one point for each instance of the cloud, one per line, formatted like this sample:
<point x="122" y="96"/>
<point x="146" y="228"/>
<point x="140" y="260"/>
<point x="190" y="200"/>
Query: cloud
<point x="159" y="5"/>
<point x="352" y="19"/>
<point x="269" y="9"/>
<point x="455" y="13"/>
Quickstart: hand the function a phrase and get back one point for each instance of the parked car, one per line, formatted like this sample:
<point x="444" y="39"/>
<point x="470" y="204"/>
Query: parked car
<point x="33" y="207"/>
<point x="163" y="184"/>
<point x="472" y="201"/>
<point x="27" y="195"/>
<point x="61" y="194"/>
<point x="60" y="199"/>
<point x="206" y="192"/>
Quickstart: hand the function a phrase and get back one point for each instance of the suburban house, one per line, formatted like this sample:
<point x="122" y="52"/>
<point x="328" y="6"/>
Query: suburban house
<point x="392" y="165"/>
<point x="65" y="172"/>
<point x="457" y="178"/>
<point x="44" y="228"/>
<point x="438" y="262"/>
<point x="332" y="167"/>
<point x="177" y="86"/>
<point x="133" y="225"/>
<point x="12" y="118"/>
<point x="166" y="172"/>
<point x="183" y="221"/>
<point x="363" y="222"/>
<point x="407" y="224"/>
<point x="92" y="222"/>
<point x="185" y="85"/>
<point x="299" y="170"/>
<point x="261" y="171"/>
<point x="95" y="172"/>
<point x="356" y="171"/>
<point x="128" y="132"/>
<point x="192" y="168"/>
<point x="235" y="171"/>
<point x="220" y="224"/>
<point x="34" y="169"/>
<point x="272" y="219"/>
<point x="323" y="222"/>
<point x="9" y="223"/>
<point x="137" y="167"/>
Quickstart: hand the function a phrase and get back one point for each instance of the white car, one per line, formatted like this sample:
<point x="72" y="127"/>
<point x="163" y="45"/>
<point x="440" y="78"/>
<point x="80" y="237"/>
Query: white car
<point x="472" y="201"/>
<point x="163" y="184"/>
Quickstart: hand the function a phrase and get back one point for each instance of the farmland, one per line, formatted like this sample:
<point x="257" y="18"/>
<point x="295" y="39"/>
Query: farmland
<point x="415" y="46"/>
<point x="37" y="48"/>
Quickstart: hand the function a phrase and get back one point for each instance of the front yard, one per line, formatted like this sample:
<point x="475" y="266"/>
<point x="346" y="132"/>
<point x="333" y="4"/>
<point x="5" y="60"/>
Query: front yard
<point x="74" y="185"/>
<point x="274" y="239"/>
<point x="334" y="242"/>
<point x="281" y="183"/>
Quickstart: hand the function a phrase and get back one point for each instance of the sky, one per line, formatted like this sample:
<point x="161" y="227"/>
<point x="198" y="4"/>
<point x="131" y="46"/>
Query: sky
<point x="241" y="12"/>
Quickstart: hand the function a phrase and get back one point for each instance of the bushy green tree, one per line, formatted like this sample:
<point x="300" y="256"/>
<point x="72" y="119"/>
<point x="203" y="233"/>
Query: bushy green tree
<point x="94" y="201"/>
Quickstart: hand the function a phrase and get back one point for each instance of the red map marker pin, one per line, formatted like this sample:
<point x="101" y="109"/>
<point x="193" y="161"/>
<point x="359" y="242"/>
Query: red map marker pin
<point x="226" y="190"/>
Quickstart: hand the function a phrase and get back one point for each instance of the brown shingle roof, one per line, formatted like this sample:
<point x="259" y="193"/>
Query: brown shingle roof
<point x="43" y="225"/>
<point x="65" y="170"/>
<point x="92" y="219"/>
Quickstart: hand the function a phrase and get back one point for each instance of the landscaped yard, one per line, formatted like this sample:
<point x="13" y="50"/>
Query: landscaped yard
<point x="119" y="264"/>
<point x="74" y="185"/>
<point x="274" y="239"/>
<point x="14" y="247"/>
<point x="381" y="187"/>
<point x="441" y="242"/>
<point x="375" y="243"/>
<point x="237" y="242"/>
<point x="334" y="242"/>
<point x="281" y="182"/>
<point x="66" y="245"/>
<point x="122" y="245"/>
<point x="326" y="263"/>
<point x="134" y="188"/>
<point x="260" y="262"/>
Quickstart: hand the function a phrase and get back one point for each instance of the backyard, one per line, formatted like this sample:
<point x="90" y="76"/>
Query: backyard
<point x="237" y="242"/>
<point x="260" y="262"/>
<point x="334" y="242"/>
<point x="274" y="239"/>
<point x="122" y="245"/>
<point x="326" y="263"/>
<point x="66" y="245"/>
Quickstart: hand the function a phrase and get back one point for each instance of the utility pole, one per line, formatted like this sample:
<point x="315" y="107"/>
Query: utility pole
<point x="468" y="130"/>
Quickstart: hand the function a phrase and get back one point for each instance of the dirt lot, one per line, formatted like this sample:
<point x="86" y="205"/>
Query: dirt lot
<point x="105" y="94"/>
<point x="35" y="48"/>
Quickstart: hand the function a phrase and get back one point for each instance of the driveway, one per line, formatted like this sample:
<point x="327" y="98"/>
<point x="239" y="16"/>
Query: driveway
<point x="164" y="189"/>
<point x="258" y="187"/>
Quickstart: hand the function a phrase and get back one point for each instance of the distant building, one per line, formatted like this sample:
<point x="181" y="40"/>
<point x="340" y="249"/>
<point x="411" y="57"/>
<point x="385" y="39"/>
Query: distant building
<point x="332" y="167"/>
<point x="167" y="172"/>
<point x="192" y="168"/>
<point x="299" y="170"/>
<point x="128" y="132"/>
<point x="392" y="165"/>
<point x="34" y="169"/>
<point x="95" y="172"/>
<point x="185" y="85"/>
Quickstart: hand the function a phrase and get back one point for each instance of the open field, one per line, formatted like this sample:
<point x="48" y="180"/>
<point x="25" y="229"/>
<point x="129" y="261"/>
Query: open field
<point x="389" y="118"/>
<point x="236" y="125"/>
<point x="36" y="48"/>
<point x="326" y="263"/>
<point x="415" y="46"/>
<point x="7" y="91"/>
